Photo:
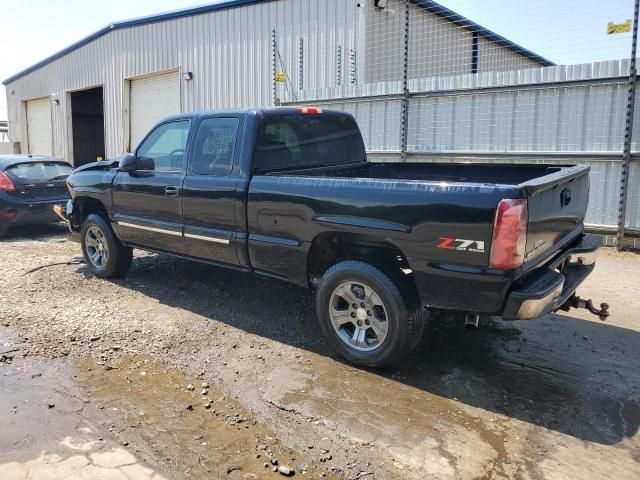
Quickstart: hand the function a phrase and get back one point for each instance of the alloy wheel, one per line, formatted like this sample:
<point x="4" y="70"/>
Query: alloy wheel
<point x="358" y="316"/>
<point x="96" y="246"/>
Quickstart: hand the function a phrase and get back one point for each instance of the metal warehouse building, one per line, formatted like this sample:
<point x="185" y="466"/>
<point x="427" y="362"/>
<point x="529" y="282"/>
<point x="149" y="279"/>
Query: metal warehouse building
<point x="99" y="96"/>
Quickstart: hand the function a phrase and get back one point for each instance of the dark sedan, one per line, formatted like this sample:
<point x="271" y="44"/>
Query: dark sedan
<point x="29" y="188"/>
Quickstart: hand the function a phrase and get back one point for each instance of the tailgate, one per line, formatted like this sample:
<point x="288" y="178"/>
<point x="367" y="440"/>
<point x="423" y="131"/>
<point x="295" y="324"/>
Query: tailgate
<point x="557" y="205"/>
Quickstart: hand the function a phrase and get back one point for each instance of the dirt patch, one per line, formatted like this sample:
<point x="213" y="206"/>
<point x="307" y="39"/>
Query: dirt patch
<point x="192" y="428"/>
<point x="554" y="398"/>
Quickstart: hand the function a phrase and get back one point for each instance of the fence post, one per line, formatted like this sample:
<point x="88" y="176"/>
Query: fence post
<point x="301" y="66"/>
<point x="339" y="65"/>
<point x="354" y="66"/>
<point x="274" y="66"/>
<point x="628" y="130"/>
<point x="404" y="125"/>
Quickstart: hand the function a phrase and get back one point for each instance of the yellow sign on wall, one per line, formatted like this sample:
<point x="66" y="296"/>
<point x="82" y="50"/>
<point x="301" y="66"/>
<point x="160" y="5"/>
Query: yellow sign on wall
<point x="281" y="77"/>
<point x="613" y="28"/>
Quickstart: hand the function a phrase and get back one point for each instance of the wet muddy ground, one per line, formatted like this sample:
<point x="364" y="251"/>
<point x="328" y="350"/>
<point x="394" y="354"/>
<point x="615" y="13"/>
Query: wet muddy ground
<point x="554" y="398"/>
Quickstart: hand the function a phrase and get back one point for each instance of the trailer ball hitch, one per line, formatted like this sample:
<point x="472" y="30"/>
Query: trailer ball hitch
<point x="576" y="302"/>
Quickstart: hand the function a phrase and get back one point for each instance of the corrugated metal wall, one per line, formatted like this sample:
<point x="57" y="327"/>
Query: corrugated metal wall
<point x="563" y="114"/>
<point x="501" y="116"/>
<point x="228" y="51"/>
<point x="492" y="58"/>
<point x="230" y="54"/>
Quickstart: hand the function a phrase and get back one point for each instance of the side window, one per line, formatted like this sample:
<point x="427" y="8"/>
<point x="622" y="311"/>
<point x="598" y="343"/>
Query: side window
<point x="163" y="150"/>
<point x="214" y="147"/>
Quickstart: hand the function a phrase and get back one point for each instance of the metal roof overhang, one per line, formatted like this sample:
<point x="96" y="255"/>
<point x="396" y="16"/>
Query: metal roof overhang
<point x="429" y="5"/>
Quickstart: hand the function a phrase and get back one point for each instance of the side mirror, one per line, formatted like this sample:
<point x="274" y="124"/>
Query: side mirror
<point x="128" y="163"/>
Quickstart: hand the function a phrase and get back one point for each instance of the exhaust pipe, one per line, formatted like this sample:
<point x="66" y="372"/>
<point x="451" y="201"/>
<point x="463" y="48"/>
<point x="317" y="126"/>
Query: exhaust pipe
<point x="471" y="321"/>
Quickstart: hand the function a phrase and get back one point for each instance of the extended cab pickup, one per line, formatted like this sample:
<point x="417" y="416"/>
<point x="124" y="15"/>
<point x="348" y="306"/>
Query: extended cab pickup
<point x="288" y="193"/>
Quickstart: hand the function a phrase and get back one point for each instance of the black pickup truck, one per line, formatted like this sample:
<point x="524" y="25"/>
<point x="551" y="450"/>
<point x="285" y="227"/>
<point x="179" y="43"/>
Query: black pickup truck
<point x="288" y="193"/>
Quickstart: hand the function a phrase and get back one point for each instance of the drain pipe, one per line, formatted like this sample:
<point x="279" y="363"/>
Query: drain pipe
<point x="471" y="321"/>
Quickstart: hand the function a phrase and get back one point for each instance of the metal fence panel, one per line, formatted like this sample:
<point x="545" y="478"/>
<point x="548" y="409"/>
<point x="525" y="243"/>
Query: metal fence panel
<point x="549" y="115"/>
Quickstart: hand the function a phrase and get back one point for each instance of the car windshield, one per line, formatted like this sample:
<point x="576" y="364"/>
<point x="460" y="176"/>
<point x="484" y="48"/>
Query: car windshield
<point x="39" y="171"/>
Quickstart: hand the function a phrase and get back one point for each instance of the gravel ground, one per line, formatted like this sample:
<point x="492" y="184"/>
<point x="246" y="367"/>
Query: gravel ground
<point x="555" y="398"/>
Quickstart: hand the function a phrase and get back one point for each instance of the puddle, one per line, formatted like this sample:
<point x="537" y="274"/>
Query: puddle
<point x="37" y="401"/>
<point x="46" y="428"/>
<point x="192" y="428"/>
<point x="80" y="416"/>
<point x="489" y="403"/>
<point x="416" y="429"/>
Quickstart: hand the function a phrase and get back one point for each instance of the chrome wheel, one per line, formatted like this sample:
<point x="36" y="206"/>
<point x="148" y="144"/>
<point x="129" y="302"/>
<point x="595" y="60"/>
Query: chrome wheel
<point x="358" y="316"/>
<point x="96" y="246"/>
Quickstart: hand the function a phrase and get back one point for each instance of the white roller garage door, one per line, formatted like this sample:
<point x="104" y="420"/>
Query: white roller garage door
<point x="151" y="99"/>
<point x="39" y="129"/>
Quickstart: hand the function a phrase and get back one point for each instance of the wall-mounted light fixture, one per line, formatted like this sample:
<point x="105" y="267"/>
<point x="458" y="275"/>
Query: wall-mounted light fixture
<point x="188" y="76"/>
<point x="55" y="99"/>
<point x="382" y="3"/>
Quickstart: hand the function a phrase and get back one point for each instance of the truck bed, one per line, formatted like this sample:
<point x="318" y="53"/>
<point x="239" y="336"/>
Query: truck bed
<point x="417" y="206"/>
<point x="478" y="173"/>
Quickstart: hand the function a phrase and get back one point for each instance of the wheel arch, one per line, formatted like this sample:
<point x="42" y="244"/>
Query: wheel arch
<point x="85" y="206"/>
<point x="329" y="248"/>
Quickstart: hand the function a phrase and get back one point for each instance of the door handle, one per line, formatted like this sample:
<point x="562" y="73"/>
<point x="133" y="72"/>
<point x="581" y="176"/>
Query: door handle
<point x="171" y="191"/>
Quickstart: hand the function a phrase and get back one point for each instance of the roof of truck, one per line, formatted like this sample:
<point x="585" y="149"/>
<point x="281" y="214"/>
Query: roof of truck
<point x="267" y="111"/>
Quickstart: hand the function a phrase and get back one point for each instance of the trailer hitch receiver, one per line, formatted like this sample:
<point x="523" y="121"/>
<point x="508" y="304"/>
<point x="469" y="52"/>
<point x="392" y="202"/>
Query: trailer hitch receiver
<point x="576" y="302"/>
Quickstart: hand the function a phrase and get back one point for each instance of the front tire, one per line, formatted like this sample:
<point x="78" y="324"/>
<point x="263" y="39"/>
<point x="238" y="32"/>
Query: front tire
<point x="365" y="317"/>
<point x="105" y="255"/>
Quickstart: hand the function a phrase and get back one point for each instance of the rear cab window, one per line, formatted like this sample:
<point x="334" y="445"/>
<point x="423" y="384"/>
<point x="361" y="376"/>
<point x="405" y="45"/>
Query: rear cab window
<point x="302" y="140"/>
<point x="39" y="172"/>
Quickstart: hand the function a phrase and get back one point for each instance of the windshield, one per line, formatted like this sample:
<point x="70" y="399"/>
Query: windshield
<point x="299" y="140"/>
<point x="39" y="171"/>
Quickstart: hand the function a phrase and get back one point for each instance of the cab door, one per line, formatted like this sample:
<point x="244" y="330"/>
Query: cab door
<point x="147" y="203"/>
<point x="211" y="192"/>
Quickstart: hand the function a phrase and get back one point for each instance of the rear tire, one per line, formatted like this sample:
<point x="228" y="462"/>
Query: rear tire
<point x="105" y="255"/>
<point x="365" y="317"/>
<point x="3" y="231"/>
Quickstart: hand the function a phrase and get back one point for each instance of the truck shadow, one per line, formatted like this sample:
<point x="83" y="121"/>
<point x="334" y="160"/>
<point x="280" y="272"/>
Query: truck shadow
<point x="569" y="375"/>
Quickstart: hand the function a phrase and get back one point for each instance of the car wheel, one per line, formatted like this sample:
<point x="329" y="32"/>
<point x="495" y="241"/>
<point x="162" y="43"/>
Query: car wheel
<point x="365" y="317"/>
<point x="106" y="257"/>
<point x="3" y="231"/>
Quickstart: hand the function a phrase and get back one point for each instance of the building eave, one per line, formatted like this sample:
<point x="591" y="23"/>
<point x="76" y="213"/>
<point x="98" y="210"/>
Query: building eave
<point x="457" y="19"/>
<point x="133" y="23"/>
<point x="428" y="5"/>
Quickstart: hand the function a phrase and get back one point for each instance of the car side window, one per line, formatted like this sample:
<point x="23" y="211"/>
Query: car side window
<point x="214" y="147"/>
<point x="163" y="150"/>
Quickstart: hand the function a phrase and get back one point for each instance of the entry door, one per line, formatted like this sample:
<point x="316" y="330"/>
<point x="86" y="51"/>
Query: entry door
<point x="39" y="128"/>
<point x="210" y="192"/>
<point x="147" y="203"/>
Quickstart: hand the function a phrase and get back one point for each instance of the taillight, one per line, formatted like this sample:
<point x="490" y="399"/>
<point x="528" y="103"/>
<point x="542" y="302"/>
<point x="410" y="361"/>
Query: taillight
<point x="6" y="184"/>
<point x="509" y="234"/>
<point x="310" y="110"/>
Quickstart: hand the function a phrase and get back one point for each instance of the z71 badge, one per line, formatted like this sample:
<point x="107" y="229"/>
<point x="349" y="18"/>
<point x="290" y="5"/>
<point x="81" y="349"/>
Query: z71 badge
<point x="461" y="244"/>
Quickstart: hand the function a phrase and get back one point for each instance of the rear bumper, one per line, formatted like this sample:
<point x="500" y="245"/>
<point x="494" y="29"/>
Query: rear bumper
<point x="546" y="290"/>
<point x="31" y="213"/>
